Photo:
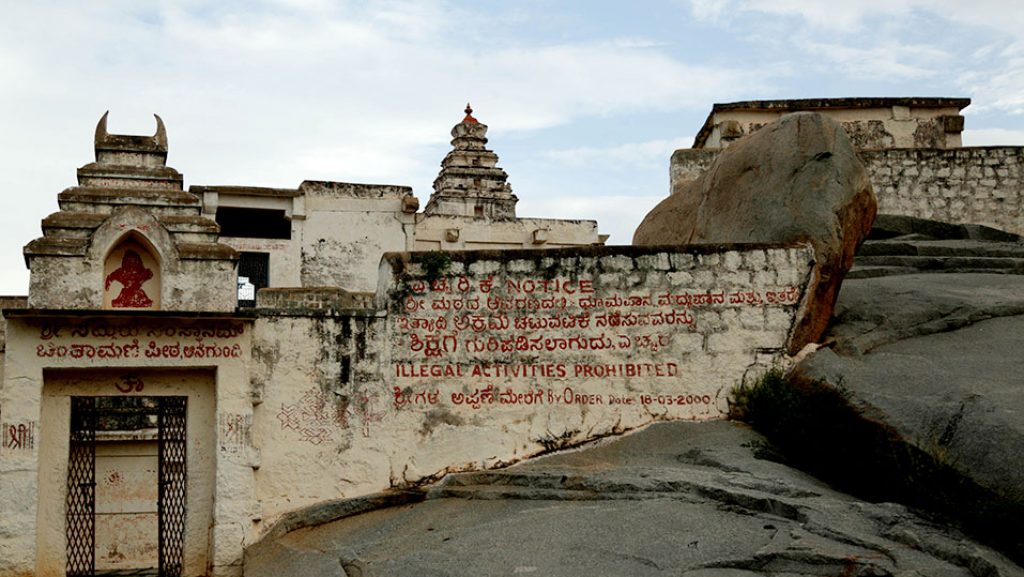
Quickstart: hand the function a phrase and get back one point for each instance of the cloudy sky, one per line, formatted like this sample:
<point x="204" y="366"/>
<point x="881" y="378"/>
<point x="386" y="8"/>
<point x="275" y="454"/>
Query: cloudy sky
<point x="585" y="99"/>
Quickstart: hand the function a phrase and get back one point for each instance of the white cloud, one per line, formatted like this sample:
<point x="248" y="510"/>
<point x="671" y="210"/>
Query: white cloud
<point x="628" y="156"/>
<point x="617" y="216"/>
<point x="993" y="137"/>
<point x="851" y="16"/>
<point x="958" y="46"/>
<point x="998" y="88"/>
<point x="847" y="15"/>
<point x="888" y="60"/>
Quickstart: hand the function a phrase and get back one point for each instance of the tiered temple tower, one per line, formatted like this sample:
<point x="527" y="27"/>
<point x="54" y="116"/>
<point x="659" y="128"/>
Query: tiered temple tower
<point x="129" y="222"/>
<point x="470" y="182"/>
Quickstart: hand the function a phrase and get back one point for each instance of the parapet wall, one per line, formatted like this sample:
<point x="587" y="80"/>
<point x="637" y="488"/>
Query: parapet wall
<point x="979" y="185"/>
<point x="689" y="163"/>
<point x="959" y="186"/>
<point x="483" y="358"/>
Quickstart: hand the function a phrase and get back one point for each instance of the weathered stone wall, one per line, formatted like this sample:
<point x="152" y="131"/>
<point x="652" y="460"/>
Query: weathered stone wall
<point x="869" y="122"/>
<point x="448" y="232"/>
<point x="977" y="185"/>
<point x="482" y="358"/>
<point x="193" y="276"/>
<point x="464" y="360"/>
<point x="8" y="302"/>
<point x="319" y="409"/>
<point x="687" y="164"/>
<point x="313" y="299"/>
<point x="982" y="185"/>
<point x="347" y="228"/>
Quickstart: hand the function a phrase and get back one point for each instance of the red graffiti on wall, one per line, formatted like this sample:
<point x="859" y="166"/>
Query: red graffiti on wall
<point x="130" y="384"/>
<point x="132" y="274"/>
<point x="363" y="409"/>
<point x="235" y="431"/>
<point x="19" y="436"/>
<point x="314" y="417"/>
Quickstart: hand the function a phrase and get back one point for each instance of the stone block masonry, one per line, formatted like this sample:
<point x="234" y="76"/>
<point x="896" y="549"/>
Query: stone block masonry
<point x="977" y="185"/>
<point x="961" y="186"/>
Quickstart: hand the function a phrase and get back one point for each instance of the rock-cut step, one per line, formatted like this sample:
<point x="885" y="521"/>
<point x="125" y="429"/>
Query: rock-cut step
<point x="912" y="255"/>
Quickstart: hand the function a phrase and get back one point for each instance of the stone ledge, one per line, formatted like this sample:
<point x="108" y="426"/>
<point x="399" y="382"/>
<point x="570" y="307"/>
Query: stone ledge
<point x="91" y="220"/>
<point x="328" y="511"/>
<point x="56" y="246"/>
<point x="96" y="169"/>
<point x="35" y="312"/>
<point x="352" y="190"/>
<point x="245" y="191"/>
<point x="398" y="260"/>
<point x="140" y="196"/>
<point x="189" y="223"/>
<point x="313" y="299"/>
<point x="68" y="219"/>
<point x="204" y="251"/>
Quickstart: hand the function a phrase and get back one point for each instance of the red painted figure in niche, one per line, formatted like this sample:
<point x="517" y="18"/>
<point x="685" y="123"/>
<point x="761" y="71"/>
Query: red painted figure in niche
<point x="131" y="275"/>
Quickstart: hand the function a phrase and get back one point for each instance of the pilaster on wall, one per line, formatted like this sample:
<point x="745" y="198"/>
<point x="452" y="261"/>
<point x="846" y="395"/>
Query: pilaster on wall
<point x="19" y="462"/>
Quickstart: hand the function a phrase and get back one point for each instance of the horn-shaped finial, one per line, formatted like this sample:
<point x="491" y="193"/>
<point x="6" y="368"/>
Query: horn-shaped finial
<point x="161" y="133"/>
<point x="101" y="129"/>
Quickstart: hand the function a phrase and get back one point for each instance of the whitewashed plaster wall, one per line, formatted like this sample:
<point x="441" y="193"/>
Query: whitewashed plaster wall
<point x="347" y="228"/>
<point x="476" y="365"/>
<point x="446" y="232"/>
<point x="96" y="352"/>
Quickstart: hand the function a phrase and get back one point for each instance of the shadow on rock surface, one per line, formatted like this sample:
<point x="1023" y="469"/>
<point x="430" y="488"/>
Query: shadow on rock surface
<point x="673" y="499"/>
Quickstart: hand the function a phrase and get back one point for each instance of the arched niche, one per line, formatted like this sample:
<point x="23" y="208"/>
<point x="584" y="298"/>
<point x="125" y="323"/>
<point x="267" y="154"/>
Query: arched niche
<point x="131" y="275"/>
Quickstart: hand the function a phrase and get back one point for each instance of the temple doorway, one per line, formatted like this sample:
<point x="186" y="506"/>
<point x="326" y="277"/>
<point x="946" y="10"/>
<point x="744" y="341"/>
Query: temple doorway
<point x="126" y="486"/>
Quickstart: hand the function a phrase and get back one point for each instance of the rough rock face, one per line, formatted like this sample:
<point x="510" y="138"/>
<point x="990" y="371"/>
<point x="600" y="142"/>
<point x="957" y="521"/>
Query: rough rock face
<point x="685" y="499"/>
<point x="798" y="180"/>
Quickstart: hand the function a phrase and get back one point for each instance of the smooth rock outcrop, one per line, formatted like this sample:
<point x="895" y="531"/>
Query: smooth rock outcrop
<point x="686" y="499"/>
<point x="799" y="180"/>
<point x="935" y="359"/>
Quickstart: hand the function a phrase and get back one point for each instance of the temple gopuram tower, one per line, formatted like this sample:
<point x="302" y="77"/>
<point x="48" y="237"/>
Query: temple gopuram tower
<point x="470" y="182"/>
<point x="129" y="213"/>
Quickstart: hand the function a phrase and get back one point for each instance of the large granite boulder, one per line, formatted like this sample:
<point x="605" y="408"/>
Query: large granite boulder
<point x="798" y="180"/>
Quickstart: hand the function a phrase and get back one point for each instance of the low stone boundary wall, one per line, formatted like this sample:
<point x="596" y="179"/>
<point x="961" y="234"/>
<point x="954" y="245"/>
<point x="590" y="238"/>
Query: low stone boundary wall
<point x="313" y="298"/>
<point x="977" y="185"/>
<point x="483" y="358"/>
<point x="960" y="186"/>
<point x="500" y="355"/>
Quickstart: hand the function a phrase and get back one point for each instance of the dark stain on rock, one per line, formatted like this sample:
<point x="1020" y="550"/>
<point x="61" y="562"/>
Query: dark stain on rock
<point x="553" y="442"/>
<point x="438" y="417"/>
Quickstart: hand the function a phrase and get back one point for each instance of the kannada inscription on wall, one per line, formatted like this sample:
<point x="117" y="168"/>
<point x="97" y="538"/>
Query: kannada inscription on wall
<point x="661" y="333"/>
<point x="101" y="340"/>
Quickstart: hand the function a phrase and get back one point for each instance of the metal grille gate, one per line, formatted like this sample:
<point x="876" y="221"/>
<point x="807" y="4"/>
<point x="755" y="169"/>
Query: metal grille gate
<point x="87" y="416"/>
<point x="172" y="494"/>
<point x="254" y="266"/>
<point x="81" y="500"/>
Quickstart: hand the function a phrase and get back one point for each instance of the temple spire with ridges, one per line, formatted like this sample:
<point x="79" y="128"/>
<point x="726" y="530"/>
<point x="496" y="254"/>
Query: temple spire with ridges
<point x="470" y="182"/>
